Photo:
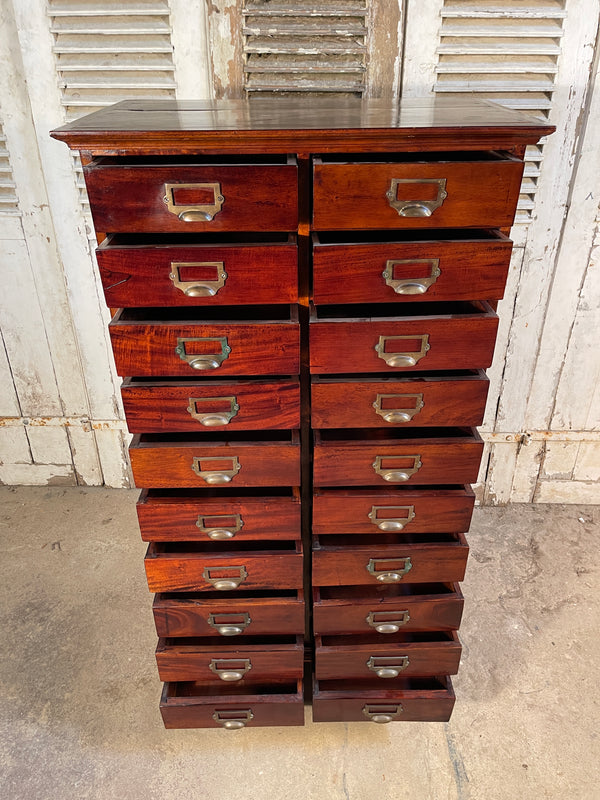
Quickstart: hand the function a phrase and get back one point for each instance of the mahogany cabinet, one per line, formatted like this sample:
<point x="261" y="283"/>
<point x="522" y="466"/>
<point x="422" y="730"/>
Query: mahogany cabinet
<point x="303" y="299"/>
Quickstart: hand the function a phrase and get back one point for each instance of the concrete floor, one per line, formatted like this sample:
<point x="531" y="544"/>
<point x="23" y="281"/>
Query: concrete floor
<point x="80" y="691"/>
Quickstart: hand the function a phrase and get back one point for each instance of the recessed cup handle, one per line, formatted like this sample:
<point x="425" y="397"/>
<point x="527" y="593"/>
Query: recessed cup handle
<point x="388" y="666"/>
<point x="406" y="406"/>
<point x="402" y="516"/>
<point x="398" y="356"/>
<point x="212" y="419"/>
<point x="382" y="713"/>
<point x="225" y="583"/>
<point x="386" y="570"/>
<point x="199" y="287"/>
<point x="229" y="624"/>
<point x="214" y="476"/>
<point x="412" y="285"/>
<point x="203" y="361"/>
<point x="194" y="212"/>
<point x="395" y="474"/>
<point x="387" y="621"/>
<point x="416" y="207"/>
<point x="214" y="529"/>
<point x="233" y="720"/>
<point x="230" y="669"/>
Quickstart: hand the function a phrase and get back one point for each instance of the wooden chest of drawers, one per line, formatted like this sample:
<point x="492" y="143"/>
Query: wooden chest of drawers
<point x="303" y="306"/>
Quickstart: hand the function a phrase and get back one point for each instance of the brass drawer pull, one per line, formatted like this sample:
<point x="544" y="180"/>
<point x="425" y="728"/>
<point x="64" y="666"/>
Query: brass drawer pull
<point x="402" y="358"/>
<point x="229" y="624"/>
<point x="194" y="212"/>
<point x="200" y="287"/>
<point x="230" y="669"/>
<point x="211" y="419"/>
<point x="397" y="474"/>
<point x="233" y="720"/>
<point x="382" y="713"/>
<point x="381" y="569"/>
<point x="217" y="531"/>
<point x="387" y="621"/>
<point x="203" y="360"/>
<point x="225" y="584"/>
<point x="214" y="476"/>
<point x="396" y="523"/>
<point x="415" y="207"/>
<point x="412" y="285"/>
<point x="408" y="406"/>
<point x="387" y="666"/>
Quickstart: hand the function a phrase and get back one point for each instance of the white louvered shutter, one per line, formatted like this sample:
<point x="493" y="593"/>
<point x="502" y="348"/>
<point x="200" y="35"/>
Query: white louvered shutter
<point x="8" y="193"/>
<point x="305" y="46"/>
<point x="507" y="52"/>
<point x="110" y="50"/>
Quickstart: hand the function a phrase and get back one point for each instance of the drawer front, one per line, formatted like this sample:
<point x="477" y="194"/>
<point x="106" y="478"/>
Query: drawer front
<point x="385" y="662"/>
<point x="179" y="518"/>
<point x="179" y="660"/>
<point x="425" y="700"/>
<point x="227" y="617"/>
<point x="224" y="349"/>
<point x="192" y="705"/>
<point x="194" y="406"/>
<point x="403" y="272"/>
<point x="385" y="610"/>
<point x="424" y="343"/>
<point x="131" y="198"/>
<point x="198" y="275"/>
<point x="387" y="510"/>
<point x="165" y="464"/>
<point x="363" y="403"/>
<point x="367" y="196"/>
<point x="444" y="461"/>
<point x="411" y="563"/>
<point x="194" y="572"/>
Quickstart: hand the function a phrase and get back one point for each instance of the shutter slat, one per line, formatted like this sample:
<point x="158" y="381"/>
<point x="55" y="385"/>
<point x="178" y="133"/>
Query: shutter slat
<point x="507" y="53"/>
<point x="9" y="204"/>
<point x="110" y="50"/>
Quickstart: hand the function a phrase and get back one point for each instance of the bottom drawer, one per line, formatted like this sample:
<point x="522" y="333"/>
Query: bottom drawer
<point x="192" y="705"/>
<point x="411" y="700"/>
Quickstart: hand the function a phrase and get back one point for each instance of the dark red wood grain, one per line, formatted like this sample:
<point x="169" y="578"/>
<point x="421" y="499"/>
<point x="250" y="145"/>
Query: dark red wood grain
<point x="447" y="400"/>
<point x="193" y="705"/>
<point x="188" y="660"/>
<point x="257" y="348"/>
<point x="138" y="275"/>
<point x="353" y="272"/>
<point x="346" y="512"/>
<point x="352" y="196"/>
<point x="339" y="462"/>
<point x="162" y="407"/>
<point x="456" y="341"/>
<point x="346" y="565"/>
<point x="344" y="610"/>
<point x="187" y="615"/>
<point x="165" y="463"/>
<point x="169" y="570"/>
<point x="173" y="517"/>
<point x="130" y="198"/>
<point x="346" y="657"/>
<point x="424" y="700"/>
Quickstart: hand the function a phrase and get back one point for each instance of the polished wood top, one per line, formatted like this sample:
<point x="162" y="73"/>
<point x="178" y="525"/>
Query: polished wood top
<point x="300" y="123"/>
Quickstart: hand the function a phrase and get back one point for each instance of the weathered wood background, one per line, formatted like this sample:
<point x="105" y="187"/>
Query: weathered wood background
<point x="60" y="414"/>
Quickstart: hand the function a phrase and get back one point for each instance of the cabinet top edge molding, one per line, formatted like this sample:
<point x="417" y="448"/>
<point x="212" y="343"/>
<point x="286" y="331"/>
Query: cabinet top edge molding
<point x="302" y="124"/>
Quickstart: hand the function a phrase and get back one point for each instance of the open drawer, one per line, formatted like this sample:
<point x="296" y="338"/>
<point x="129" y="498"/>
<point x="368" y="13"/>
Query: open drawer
<point x="475" y="189"/>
